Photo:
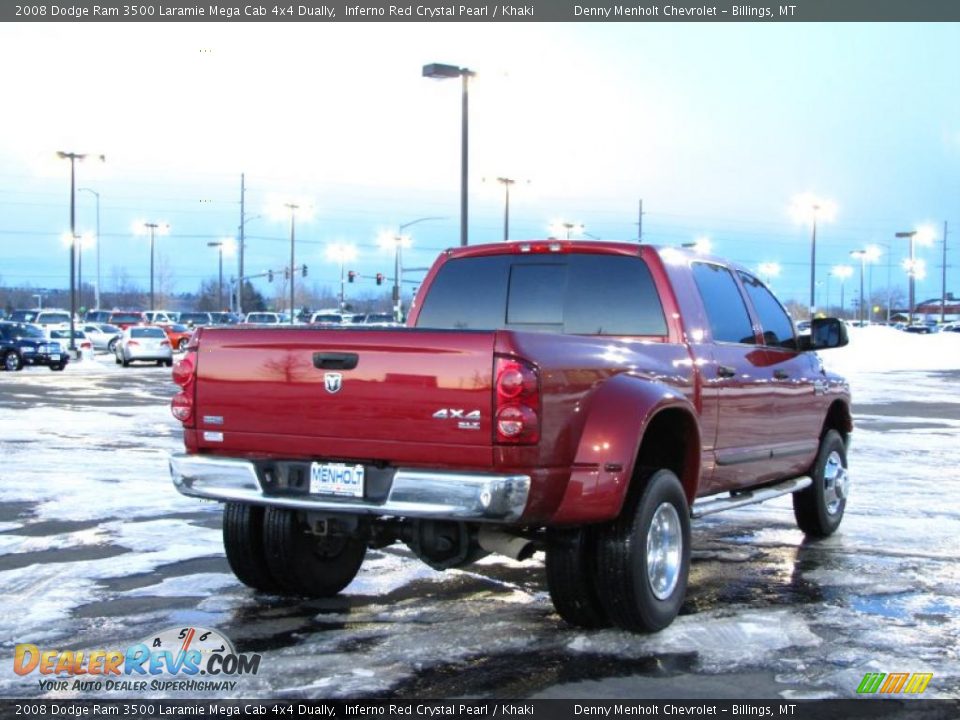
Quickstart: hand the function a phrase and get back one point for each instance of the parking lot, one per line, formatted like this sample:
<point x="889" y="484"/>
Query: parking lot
<point x="98" y="550"/>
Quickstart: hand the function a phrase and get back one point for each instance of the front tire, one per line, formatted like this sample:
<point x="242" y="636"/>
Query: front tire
<point x="572" y="577"/>
<point x="58" y="367"/>
<point x="243" y="544"/>
<point x="819" y="508"/>
<point x="12" y="361"/>
<point x="643" y="557"/>
<point x="307" y="564"/>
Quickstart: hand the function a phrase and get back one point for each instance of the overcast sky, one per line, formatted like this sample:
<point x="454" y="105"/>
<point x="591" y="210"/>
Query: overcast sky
<point x="715" y="126"/>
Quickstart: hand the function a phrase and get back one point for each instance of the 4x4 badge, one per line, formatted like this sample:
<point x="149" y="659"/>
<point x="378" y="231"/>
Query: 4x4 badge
<point x="333" y="382"/>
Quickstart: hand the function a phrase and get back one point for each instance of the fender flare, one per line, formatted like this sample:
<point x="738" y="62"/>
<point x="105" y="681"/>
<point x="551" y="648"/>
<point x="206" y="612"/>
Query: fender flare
<point x="619" y="413"/>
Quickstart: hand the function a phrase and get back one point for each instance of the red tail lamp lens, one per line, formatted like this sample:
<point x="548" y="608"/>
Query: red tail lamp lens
<point x="182" y="407"/>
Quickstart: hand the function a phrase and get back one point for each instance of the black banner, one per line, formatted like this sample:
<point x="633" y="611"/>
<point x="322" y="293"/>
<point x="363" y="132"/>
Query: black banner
<point x="473" y="709"/>
<point x="472" y="10"/>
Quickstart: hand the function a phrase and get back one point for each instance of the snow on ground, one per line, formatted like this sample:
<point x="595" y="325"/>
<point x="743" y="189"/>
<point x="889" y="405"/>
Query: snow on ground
<point x="96" y="548"/>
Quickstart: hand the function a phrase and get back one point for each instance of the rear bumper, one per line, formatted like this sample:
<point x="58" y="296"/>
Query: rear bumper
<point x="413" y="493"/>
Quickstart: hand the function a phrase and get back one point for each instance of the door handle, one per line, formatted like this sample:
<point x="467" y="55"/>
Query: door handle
<point x="725" y="371"/>
<point x="335" y="361"/>
<point x="781" y="374"/>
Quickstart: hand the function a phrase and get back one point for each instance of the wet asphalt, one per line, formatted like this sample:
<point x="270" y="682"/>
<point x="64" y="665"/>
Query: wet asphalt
<point x="768" y="614"/>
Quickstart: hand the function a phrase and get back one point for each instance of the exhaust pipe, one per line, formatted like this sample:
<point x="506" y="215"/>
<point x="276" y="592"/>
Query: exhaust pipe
<point x="513" y="546"/>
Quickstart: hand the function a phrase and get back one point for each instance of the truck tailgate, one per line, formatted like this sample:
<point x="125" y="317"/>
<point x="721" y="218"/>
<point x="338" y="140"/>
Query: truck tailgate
<point x="391" y="394"/>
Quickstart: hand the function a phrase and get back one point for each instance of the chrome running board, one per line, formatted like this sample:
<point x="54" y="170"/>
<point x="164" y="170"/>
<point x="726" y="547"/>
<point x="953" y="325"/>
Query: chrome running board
<point x="749" y="497"/>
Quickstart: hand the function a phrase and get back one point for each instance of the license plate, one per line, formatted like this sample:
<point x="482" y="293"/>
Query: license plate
<point x="54" y="356"/>
<point x="336" y="479"/>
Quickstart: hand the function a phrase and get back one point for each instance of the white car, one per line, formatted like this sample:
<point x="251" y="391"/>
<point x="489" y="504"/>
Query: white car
<point x="263" y="318"/>
<point x="104" y="336"/>
<point x="81" y="342"/>
<point x="161" y="317"/>
<point x="144" y="343"/>
<point x="53" y="320"/>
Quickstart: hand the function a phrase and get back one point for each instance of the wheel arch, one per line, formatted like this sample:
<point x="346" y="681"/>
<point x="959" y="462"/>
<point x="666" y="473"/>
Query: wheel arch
<point x="632" y="422"/>
<point x="838" y="418"/>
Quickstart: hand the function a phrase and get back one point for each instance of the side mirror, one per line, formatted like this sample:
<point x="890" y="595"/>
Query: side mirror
<point x="827" y="333"/>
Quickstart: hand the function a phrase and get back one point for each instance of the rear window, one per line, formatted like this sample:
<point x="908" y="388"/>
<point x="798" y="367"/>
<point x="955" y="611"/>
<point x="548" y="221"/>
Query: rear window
<point x="53" y="318"/>
<point x="126" y="318"/>
<point x="577" y="294"/>
<point x="147" y="332"/>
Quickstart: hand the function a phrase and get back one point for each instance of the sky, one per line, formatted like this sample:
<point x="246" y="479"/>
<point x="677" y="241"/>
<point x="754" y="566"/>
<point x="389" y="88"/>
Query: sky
<point x="716" y="127"/>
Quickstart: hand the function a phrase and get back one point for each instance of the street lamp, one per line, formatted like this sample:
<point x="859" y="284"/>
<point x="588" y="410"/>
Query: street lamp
<point x="153" y="228"/>
<point x="809" y="207"/>
<point x="389" y="241"/>
<point x="862" y="256"/>
<point x="73" y="157"/>
<point x="228" y="244"/>
<point x="769" y="270"/>
<point x="842" y="272"/>
<point x="914" y="267"/>
<point x="507" y="182"/>
<point x="296" y="208"/>
<point x="96" y="295"/>
<point x="242" y="244"/>
<point x="439" y="71"/>
<point x="566" y="227"/>
<point x="341" y="253"/>
<point x="80" y="241"/>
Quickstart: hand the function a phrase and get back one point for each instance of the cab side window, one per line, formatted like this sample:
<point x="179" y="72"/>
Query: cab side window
<point x="726" y="310"/>
<point x="777" y="327"/>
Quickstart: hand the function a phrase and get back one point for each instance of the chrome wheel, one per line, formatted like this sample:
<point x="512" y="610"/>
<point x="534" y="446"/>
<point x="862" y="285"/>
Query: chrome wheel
<point x="664" y="551"/>
<point x="11" y="362"/>
<point x="836" y="483"/>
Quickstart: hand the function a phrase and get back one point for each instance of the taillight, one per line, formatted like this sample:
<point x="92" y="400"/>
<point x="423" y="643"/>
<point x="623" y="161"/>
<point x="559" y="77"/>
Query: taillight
<point x="132" y="343"/>
<point x="517" y="418"/>
<point x="184" y="375"/>
<point x="164" y="343"/>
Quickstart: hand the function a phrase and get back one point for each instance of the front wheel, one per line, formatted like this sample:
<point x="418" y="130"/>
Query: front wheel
<point x="643" y="557"/>
<point x="58" y="367"/>
<point x="306" y="564"/>
<point x="819" y="508"/>
<point x="112" y="346"/>
<point x="12" y="361"/>
<point x="182" y="345"/>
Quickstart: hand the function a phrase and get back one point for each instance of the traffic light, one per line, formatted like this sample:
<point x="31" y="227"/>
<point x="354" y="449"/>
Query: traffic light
<point x="350" y="276"/>
<point x="269" y="275"/>
<point x="379" y="278"/>
<point x="304" y="271"/>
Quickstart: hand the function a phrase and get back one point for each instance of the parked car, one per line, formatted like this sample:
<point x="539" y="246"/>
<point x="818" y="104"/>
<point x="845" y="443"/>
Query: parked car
<point x="97" y="316"/>
<point x="104" y="336"/>
<point x="178" y="335"/>
<point x="195" y="319"/>
<point x="146" y="342"/>
<point x="23" y="316"/>
<point x="376" y="320"/>
<point x="161" y="317"/>
<point x="263" y="318"/>
<point x="545" y="396"/>
<point x="24" y="344"/>
<point x="921" y="328"/>
<point x="225" y="318"/>
<point x="126" y="318"/>
<point x="53" y="320"/>
<point x="327" y="318"/>
<point x="82" y="344"/>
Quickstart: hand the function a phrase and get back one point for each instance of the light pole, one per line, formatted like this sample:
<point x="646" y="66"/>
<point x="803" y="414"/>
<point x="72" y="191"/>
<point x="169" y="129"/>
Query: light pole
<point x="506" y="182"/>
<point x="96" y="295"/>
<point x="397" y="243"/>
<point x="73" y="157"/>
<point x="439" y="71"/>
<point x="915" y="267"/>
<point x="341" y="253"/>
<point x="154" y="229"/>
<point x="220" y="245"/>
<point x="842" y="272"/>
<point x="860" y="255"/>
<point x="807" y="206"/>
<point x="292" y="207"/>
<point x="242" y="245"/>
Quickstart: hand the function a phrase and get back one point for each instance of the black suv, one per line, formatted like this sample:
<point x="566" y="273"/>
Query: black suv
<point x="22" y="344"/>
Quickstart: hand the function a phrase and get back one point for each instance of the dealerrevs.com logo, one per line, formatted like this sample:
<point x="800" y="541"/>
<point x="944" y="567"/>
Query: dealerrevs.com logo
<point x="188" y="659"/>
<point x="894" y="683"/>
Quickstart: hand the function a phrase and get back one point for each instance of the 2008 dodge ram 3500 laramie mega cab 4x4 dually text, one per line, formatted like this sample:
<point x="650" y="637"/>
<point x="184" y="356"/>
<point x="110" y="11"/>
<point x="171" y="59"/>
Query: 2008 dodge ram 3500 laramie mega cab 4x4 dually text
<point x="572" y="397"/>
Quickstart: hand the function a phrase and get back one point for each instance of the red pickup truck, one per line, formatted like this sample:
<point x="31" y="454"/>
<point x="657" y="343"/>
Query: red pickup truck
<point x="570" y="397"/>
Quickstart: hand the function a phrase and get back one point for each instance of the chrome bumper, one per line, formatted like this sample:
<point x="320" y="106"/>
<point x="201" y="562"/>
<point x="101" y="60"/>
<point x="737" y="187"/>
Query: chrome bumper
<point x="413" y="493"/>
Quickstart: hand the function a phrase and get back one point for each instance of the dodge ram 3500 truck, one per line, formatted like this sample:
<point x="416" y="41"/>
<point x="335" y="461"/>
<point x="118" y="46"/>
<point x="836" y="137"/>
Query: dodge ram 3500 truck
<point x="570" y="397"/>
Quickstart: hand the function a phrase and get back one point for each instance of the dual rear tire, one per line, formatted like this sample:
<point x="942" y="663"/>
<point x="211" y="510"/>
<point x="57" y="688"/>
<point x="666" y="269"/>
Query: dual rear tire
<point x="631" y="573"/>
<point x="272" y="550"/>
